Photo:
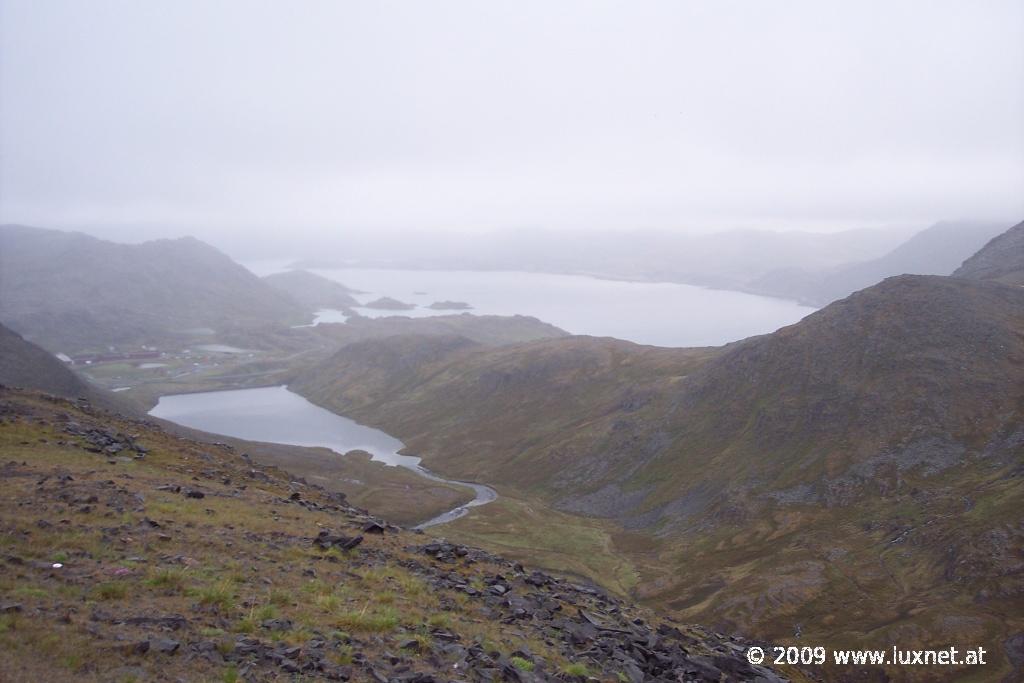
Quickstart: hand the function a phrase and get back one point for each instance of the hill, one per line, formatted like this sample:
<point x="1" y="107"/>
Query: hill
<point x="893" y="417"/>
<point x="311" y="290"/>
<point x="25" y="365"/>
<point x="1001" y="260"/>
<point x="937" y="250"/>
<point x="71" y="292"/>
<point x="132" y="554"/>
<point x="864" y="374"/>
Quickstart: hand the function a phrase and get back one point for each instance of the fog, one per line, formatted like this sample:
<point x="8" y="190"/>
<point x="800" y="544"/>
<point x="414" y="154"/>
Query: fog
<point x="261" y="124"/>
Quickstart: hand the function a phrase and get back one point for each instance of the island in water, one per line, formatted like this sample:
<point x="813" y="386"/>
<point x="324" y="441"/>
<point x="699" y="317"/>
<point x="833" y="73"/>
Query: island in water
<point x="386" y="303"/>
<point x="450" y="306"/>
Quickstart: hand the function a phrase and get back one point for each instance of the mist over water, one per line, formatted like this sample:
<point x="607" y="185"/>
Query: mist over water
<point x="656" y="313"/>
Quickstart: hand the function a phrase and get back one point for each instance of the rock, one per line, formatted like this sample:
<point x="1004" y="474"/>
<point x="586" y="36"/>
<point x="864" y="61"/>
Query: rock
<point x="173" y="622"/>
<point x="10" y="608"/>
<point x="164" y="645"/>
<point x="410" y="644"/>
<point x="445" y="636"/>
<point x="192" y="493"/>
<point x="247" y="646"/>
<point x="373" y="528"/>
<point x="277" y="624"/>
<point x="325" y="540"/>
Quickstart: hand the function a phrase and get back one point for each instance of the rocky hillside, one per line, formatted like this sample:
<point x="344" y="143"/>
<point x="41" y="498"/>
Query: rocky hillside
<point x="311" y="290"/>
<point x="71" y="292"/>
<point x="1001" y="260"/>
<point x="485" y="412"/>
<point x="914" y="364"/>
<point x="893" y="416"/>
<point x="132" y="554"/>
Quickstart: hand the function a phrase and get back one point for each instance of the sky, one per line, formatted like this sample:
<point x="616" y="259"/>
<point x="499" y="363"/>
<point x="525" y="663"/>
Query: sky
<point x="242" y="119"/>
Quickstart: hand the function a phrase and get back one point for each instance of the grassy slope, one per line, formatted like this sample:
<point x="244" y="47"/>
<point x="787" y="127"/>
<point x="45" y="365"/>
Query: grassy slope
<point x="220" y="568"/>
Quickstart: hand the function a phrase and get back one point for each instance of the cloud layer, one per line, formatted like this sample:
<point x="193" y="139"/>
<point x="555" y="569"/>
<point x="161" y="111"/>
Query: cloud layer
<point x="244" y="116"/>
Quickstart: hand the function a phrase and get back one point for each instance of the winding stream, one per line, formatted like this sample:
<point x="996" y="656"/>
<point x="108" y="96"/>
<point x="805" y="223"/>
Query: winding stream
<point x="277" y="415"/>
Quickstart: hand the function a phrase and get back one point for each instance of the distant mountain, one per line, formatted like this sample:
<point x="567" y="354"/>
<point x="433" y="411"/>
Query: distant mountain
<point x="72" y="292"/>
<point x="856" y="473"/>
<point x="311" y="290"/>
<point x="727" y="259"/>
<point x="1001" y="260"/>
<point x="937" y="250"/>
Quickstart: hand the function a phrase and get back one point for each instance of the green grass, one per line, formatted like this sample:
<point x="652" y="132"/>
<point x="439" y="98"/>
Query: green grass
<point x="522" y="664"/>
<point x="246" y="625"/>
<point x="328" y="603"/>
<point x="343" y="655"/>
<point x="220" y="595"/>
<point x="112" y="590"/>
<point x="378" y="621"/>
<point x="281" y="598"/>
<point x="265" y="612"/>
<point x="440" y="620"/>
<point x="578" y="669"/>
<point x="171" y="579"/>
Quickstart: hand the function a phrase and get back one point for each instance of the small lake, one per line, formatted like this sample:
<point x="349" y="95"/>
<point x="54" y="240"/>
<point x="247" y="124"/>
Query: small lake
<point x="658" y="313"/>
<point x="276" y="415"/>
<point x="221" y="348"/>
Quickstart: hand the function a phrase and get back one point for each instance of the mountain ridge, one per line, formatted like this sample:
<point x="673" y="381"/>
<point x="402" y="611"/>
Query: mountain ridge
<point x="936" y="250"/>
<point x="1001" y="260"/>
<point x="311" y="290"/>
<point x="72" y="292"/>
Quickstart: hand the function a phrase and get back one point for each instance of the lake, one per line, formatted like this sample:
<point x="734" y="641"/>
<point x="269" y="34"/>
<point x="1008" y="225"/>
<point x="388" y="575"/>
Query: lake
<point x="276" y="415"/>
<point x="658" y="313"/>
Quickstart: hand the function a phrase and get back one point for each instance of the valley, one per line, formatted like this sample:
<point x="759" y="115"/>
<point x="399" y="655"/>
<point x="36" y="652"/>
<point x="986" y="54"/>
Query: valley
<point x="511" y="342"/>
<point x="850" y="478"/>
<point x="711" y="483"/>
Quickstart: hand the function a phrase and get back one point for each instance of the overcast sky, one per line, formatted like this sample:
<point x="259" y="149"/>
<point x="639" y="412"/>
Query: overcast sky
<point x="229" y="118"/>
